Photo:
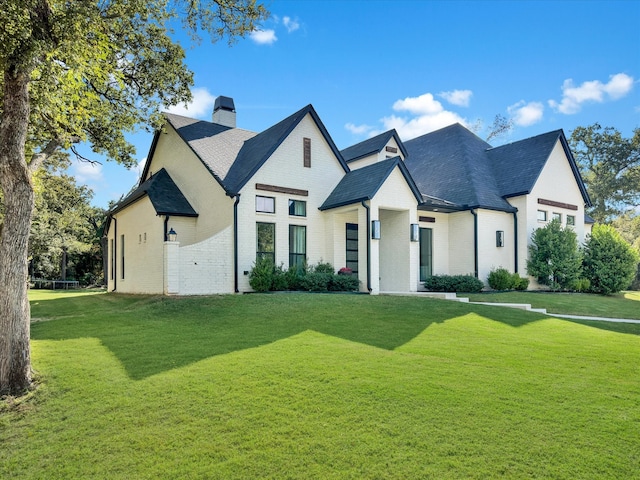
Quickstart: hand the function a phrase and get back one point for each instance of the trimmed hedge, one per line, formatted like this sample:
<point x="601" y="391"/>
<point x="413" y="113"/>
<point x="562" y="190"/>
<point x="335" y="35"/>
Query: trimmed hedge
<point x="453" y="283"/>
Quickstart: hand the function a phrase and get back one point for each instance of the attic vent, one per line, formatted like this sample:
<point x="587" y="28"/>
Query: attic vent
<point x="391" y="149"/>
<point x="224" y="112"/>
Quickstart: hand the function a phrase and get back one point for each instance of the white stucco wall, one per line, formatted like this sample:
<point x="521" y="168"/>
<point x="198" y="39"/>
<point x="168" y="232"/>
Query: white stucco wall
<point x="461" y="256"/>
<point x="489" y="255"/>
<point x="143" y="249"/>
<point x="378" y="156"/>
<point x="440" y="232"/>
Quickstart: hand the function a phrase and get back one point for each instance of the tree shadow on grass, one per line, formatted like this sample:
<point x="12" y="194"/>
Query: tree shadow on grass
<point x="151" y="334"/>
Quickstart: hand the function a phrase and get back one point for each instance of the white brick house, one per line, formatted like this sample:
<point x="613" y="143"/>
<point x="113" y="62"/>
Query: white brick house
<point x="394" y="212"/>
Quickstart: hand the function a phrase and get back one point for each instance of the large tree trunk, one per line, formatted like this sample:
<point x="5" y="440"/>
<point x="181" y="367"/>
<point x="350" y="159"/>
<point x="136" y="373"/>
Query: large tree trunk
<point x="15" y="181"/>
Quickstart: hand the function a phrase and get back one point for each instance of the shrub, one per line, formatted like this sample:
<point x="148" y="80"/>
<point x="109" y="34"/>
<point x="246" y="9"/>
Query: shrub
<point x="501" y="279"/>
<point x="453" y="283"/>
<point x="316" y="282"/>
<point x="520" y="283"/>
<point x="323" y="267"/>
<point x="280" y="281"/>
<point x="261" y="275"/>
<point x="582" y="285"/>
<point x="344" y="283"/>
<point x="554" y="258"/>
<point x="610" y="263"/>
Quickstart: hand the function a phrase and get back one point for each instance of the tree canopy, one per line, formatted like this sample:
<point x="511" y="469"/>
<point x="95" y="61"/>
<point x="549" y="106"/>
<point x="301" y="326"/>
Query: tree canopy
<point x="83" y="71"/>
<point x="610" y="166"/>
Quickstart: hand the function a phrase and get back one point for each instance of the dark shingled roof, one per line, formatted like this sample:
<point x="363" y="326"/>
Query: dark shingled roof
<point x="371" y="146"/>
<point x="451" y="164"/>
<point x="364" y="183"/>
<point x="164" y="194"/>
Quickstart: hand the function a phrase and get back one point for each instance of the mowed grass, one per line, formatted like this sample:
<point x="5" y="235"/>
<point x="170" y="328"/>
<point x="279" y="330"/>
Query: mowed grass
<point x="621" y="305"/>
<point x="321" y="386"/>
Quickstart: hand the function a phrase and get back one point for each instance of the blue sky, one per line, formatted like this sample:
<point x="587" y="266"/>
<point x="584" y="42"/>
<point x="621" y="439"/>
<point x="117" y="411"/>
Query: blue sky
<point x="416" y="66"/>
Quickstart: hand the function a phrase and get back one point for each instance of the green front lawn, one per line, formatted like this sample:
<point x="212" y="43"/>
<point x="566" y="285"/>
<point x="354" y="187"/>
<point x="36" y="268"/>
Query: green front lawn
<point x="321" y="386"/>
<point x="621" y="305"/>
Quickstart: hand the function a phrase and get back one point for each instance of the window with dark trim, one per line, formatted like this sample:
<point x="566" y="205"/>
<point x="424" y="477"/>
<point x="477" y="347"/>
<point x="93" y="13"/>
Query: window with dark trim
<point x="265" y="204"/>
<point x="297" y="246"/>
<point x="306" y="142"/>
<point x="298" y="208"/>
<point x="426" y="253"/>
<point x="266" y="241"/>
<point x="352" y="247"/>
<point x="556" y="216"/>
<point x="113" y="258"/>
<point x="542" y="215"/>
<point x="571" y="220"/>
<point x="122" y="256"/>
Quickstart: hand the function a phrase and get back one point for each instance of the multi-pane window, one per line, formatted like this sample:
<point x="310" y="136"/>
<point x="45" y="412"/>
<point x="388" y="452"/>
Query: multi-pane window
<point x="556" y="216"/>
<point x="542" y="215"/>
<point x="298" y="208"/>
<point x="266" y="241"/>
<point x="571" y="220"/>
<point x="426" y="253"/>
<point x="297" y="246"/>
<point x="352" y="247"/>
<point x="265" y="204"/>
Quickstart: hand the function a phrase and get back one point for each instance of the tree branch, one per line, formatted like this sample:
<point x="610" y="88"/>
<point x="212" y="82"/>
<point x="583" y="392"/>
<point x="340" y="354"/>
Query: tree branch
<point x="37" y="159"/>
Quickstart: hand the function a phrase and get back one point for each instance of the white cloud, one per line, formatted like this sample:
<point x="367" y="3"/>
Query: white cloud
<point x="358" y="129"/>
<point x="87" y="172"/>
<point x="263" y="37"/>
<point x="460" y="98"/>
<point x="593" y="91"/>
<point x="526" y="114"/>
<point x="414" y="127"/>
<point x="201" y="106"/>
<point x="423" y="105"/>
<point x="290" y="24"/>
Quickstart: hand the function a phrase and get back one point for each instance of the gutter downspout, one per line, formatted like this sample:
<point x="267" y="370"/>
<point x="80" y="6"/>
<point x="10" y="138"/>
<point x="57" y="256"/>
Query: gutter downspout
<point x="475" y="242"/>
<point x="166" y="222"/>
<point x="515" y="242"/>
<point x="368" y="245"/>
<point x="235" y="243"/>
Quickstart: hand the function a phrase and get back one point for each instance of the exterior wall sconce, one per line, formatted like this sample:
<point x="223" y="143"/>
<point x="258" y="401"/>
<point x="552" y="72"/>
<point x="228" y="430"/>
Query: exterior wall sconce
<point x="499" y="238"/>
<point x="375" y="229"/>
<point x="172" y="235"/>
<point x="415" y="232"/>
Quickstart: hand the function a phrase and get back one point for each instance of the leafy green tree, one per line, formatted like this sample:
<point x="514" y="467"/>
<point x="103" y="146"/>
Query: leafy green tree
<point x="610" y="167"/>
<point x="554" y="257"/>
<point x="82" y="71"/>
<point x="610" y="263"/>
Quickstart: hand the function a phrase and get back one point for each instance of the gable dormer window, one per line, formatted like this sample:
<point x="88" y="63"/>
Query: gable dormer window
<point x="306" y="151"/>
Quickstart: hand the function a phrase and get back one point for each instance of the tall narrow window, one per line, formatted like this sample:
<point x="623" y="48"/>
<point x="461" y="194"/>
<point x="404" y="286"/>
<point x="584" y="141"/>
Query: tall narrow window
<point x="265" y="204"/>
<point x="426" y="253"/>
<point x="122" y="256"/>
<point x="297" y="246"/>
<point x="298" y="208"/>
<point x="352" y="247"/>
<point x="112" y="243"/>
<point x="266" y="241"/>
<point x="307" y="152"/>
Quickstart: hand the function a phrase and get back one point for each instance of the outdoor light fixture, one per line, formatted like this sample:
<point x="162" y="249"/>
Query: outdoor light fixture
<point x="375" y="229"/>
<point x="415" y="232"/>
<point x="172" y="235"/>
<point x="499" y="238"/>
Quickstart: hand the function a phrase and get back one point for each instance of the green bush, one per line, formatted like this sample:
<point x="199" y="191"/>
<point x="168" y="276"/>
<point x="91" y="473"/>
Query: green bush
<point x="323" y="267"/>
<point x="582" y="285"/>
<point x="453" y="283"/>
<point x="344" y="283"/>
<point x="501" y="279"/>
<point x="316" y="282"/>
<point x="554" y="258"/>
<point x="261" y="275"/>
<point x="520" y="283"/>
<point x="610" y="263"/>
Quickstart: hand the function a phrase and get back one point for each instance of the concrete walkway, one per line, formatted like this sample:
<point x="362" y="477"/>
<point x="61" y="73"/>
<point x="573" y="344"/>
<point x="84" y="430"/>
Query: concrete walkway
<point x="521" y="306"/>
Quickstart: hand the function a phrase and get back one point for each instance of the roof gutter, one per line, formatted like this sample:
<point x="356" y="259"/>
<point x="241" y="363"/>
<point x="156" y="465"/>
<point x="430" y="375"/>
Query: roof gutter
<point x="367" y="208"/>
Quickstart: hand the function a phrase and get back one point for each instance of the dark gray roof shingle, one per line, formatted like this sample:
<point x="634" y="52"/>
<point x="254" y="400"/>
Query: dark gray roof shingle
<point x="364" y="183"/>
<point x="164" y="194"/>
<point x="371" y="146"/>
<point x="451" y="164"/>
